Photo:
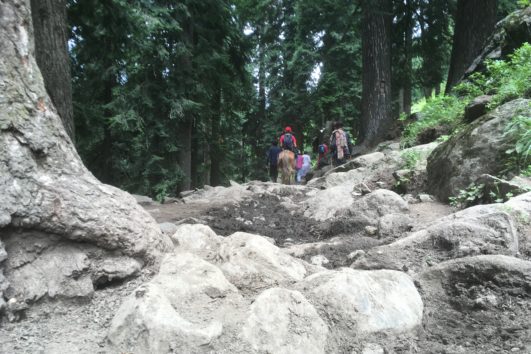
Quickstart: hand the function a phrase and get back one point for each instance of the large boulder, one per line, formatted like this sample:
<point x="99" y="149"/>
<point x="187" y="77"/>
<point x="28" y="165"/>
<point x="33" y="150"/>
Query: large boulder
<point x="478" y="149"/>
<point x="477" y="305"/>
<point x="483" y="229"/>
<point x="253" y="263"/>
<point x="366" y="302"/>
<point x="186" y="307"/>
<point x="273" y="317"/>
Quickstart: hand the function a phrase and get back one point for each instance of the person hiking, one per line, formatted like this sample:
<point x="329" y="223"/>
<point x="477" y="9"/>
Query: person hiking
<point x="305" y="168"/>
<point x="322" y="156"/>
<point x="339" y="144"/>
<point x="288" y="141"/>
<point x="272" y="160"/>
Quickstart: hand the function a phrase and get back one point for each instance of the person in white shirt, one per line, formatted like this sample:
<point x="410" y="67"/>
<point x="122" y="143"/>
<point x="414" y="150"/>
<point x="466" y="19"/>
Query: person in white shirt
<point x="306" y="167"/>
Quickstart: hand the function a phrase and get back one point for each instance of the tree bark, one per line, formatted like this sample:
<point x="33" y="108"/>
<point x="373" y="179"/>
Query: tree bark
<point x="216" y="177"/>
<point x="43" y="184"/>
<point x="408" y="49"/>
<point x="185" y="153"/>
<point x="376" y="76"/>
<point x="51" y="52"/>
<point x="474" y="23"/>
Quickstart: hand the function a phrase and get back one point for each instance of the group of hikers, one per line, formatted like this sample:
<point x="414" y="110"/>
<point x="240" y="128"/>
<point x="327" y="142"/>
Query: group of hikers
<point x="338" y="150"/>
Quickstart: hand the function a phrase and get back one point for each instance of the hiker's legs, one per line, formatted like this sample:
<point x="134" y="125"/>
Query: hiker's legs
<point x="273" y="173"/>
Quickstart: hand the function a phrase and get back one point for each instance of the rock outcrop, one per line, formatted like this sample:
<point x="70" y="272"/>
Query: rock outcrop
<point x="478" y="149"/>
<point x="509" y="35"/>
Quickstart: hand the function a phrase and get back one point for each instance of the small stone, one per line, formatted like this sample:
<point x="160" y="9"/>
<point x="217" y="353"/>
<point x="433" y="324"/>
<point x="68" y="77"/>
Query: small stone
<point x="425" y="198"/>
<point x="319" y="260"/>
<point x="371" y="230"/>
<point x="355" y="255"/>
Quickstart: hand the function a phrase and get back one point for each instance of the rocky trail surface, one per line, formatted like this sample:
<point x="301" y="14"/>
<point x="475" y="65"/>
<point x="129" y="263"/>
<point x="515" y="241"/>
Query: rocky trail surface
<point x="343" y="264"/>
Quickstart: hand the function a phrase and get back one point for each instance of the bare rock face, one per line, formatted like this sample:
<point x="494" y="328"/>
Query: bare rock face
<point x="45" y="187"/>
<point x="478" y="149"/>
<point x="272" y="316"/>
<point x="483" y="229"/>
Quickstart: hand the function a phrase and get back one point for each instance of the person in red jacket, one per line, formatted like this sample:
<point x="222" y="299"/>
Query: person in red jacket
<point x="287" y="140"/>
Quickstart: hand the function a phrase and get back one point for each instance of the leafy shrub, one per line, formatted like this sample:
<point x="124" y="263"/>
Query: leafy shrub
<point x="505" y="80"/>
<point x="438" y="110"/>
<point x="410" y="159"/>
<point x="518" y="158"/>
<point x="472" y="195"/>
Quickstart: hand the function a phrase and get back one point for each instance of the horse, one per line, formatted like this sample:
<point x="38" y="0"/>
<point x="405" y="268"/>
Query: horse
<point x="286" y="165"/>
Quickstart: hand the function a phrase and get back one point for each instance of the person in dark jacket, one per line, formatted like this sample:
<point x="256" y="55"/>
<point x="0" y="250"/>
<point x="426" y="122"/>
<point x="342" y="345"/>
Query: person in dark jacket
<point x="272" y="160"/>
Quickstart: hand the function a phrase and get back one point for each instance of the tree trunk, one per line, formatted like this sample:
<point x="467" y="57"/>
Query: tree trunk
<point x="185" y="153"/>
<point x="408" y="70"/>
<point x="216" y="177"/>
<point x="48" y="196"/>
<point x="51" y="52"/>
<point x="474" y="22"/>
<point x="376" y="76"/>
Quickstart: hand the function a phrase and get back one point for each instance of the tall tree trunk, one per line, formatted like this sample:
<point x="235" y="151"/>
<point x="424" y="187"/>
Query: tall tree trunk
<point x="46" y="189"/>
<point x="50" y="28"/>
<point x="185" y="153"/>
<point x="216" y="177"/>
<point x="376" y="76"/>
<point x="474" y="23"/>
<point x="408" y="70"/>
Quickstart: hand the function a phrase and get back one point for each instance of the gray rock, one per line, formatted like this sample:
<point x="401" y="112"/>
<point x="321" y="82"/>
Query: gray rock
<point x="168" y="228"/>
<point x="495" y="188"/>
<point x="483" y="229"/>
<point x="143" y="200"/>
<point x="183" y="308"/>
<point x="171" y="200"/>
<point x="477" y="108"/>
<point x="3" y="253"/>
<point x="274" y="315"/>
<point x="363" y="302"/>
<point x="361" y="189"/>
<point x="394" y="225"/>
<point x="113" y="269"/>
<point x="251" y="262"/>
<point x="425" y="198"/>
<point x="377" y="204"/>
<point x="373" y="348"/>
<point x="371" y="230"/>
<point x="478" y="149"/>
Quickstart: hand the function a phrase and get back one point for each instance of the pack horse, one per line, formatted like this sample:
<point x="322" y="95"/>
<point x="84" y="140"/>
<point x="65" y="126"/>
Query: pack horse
<point x="286" y="165"/>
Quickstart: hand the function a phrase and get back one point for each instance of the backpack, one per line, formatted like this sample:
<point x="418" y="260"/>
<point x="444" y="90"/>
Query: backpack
<point x="322" y="149"/>
<point x="288" y="141"/>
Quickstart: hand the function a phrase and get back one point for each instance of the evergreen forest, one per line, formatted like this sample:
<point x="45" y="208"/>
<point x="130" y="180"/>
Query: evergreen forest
<point x="173" y="95"/>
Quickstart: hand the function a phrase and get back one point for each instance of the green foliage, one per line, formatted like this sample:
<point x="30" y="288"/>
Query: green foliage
<point x="518" y="158"/>
<point x="410" y="159"/>
<point x="505" y="80"/>
<point x="470" y="196"/>
<point x="524" y="3"/>
<point x="438" y="110"/>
